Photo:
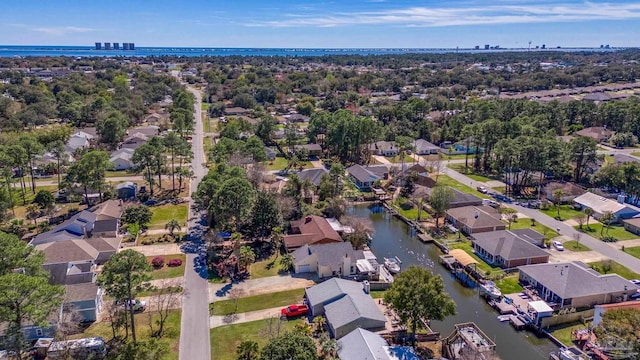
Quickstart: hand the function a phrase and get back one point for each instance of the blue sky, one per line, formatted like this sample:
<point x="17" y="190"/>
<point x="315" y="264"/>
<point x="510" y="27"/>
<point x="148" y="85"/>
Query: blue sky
<point x="307" y="23"/>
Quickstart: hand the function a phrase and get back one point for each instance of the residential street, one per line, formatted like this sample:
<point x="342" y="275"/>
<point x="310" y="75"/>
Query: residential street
<point x="596" y="245"/>
<point x="194" y="334"/>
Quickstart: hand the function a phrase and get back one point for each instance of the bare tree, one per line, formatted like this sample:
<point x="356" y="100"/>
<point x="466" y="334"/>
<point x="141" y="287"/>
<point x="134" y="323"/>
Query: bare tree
<point x="436" y="166"/>
<point x="256" y="174"/>
<point x="234" y="295"/>
<point x="165" y="299"/>
<point x="577" y="237"/>
<point x="287" y="206"/>
<point x="581" y="219"/>
<point x="362" y="229"/>
<point x="273" y="327"/>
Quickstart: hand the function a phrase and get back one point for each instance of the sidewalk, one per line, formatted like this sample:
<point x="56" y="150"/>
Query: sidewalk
<point x="222" y="320"/>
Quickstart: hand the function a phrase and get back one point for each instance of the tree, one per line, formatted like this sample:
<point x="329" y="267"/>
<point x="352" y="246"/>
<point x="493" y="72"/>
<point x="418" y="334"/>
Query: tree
<point x="265" y="129"/>
<point x="265" y="214"/>
<point x="123" y="277"/>
<point x="619" y="329"/>
<point x="172" y="226"/>
<point x="246" y="257"/>
<point x="140" y="215"/>
<point x="32" y="149"/>
<point x="165" y="299"/>
<point x="151" y="349"/>
<point x="606" y="219"/>
<point x="247" y="350"/>
<point x="582" y="151"/>
<point x="557" y="199"/>
<point x="418" y="294"/>
<point x="231" y="203"/>
<point x="291" y="345"/>
<point x="58" y="150"/>
<point x="33" y="212"/>
<point x="362" y="230"/>
<point x="580" y="219"/>
<point x="25" y="296"/>
<point x="508" y="212"/>
<point x="589" y="212"/>
<point x="440" y="200"/>
<point x="328" y="346"/>
<point x="113" y="128"/>
<point x="89" y="171"/>
<point x="18" y="159"/>
<point x="143" y="157"/>
<point x="286" y="262"/>
<point x="173" y="143"/>
<point x="44" y="199"/>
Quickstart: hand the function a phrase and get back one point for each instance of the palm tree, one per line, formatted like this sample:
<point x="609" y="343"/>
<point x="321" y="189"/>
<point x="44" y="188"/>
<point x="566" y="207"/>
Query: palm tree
<point x="606" y="220"/>
<point x="320" y="322"/>
<point x="276" y="239"/>
<point x="286" y="262"/>
<point x="328" y="347"/>
<point x="307" y="187"/>
<point x="172" y="226"/>
<point x="247" y="350"/>
<point x="589" y="212"/>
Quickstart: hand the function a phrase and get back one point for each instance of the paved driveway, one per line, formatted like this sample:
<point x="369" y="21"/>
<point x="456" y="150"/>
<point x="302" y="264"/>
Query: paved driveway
<point x="157" y="250"/>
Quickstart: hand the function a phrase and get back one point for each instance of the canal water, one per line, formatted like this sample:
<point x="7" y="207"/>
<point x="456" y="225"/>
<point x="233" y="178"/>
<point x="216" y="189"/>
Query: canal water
<point x="393" y="238"/>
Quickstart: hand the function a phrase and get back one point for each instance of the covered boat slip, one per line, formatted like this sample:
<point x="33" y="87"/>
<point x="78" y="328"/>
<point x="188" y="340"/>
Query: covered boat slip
<point x="462" y="257"/>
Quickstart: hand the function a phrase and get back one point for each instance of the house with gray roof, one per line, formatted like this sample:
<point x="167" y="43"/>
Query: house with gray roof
<point x="475" y="219"/>
<point x="334" y="259"/>
<point x="461" y="199"/>
<point x="121" y="159"/>
<point x="423" y="147"/>
<point x="601" y="205"/>
<point x="362" y="344"/>
<point x="364" y="176"/>
<point x="506" y="249"/>
<point x="575" y="285"/>
<point x="314" y="175"/>
<point x="85" y="299"/>
<point x="530" y="235"/>
<point x="384" y="148"/>
<point x="346" y="306"/>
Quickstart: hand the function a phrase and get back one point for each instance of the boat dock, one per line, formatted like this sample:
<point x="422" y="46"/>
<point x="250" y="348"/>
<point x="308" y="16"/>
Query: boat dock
<point x="503" y="307"/>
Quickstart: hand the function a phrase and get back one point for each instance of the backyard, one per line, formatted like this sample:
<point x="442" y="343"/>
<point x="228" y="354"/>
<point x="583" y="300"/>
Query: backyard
<point x="488" y="270"/>
<point x="509" y="284"/>
<point x="265" y="268"/>
<point x="167" y="271"/>
<point x="564" y="333"/>
<point x="225" y="339"/>
<point x="163" y="213"/>
<point x="258" y="302"/>
<point x="616" y="231"/>
<point x="616" y="268"/>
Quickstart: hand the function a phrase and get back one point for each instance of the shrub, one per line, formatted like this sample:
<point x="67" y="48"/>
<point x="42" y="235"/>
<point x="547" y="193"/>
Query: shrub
<point x="174" y="262"/>
<point x="158" y="262"/>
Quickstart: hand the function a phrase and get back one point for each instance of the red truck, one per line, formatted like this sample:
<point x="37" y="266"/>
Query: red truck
<point x="292" y="311"/>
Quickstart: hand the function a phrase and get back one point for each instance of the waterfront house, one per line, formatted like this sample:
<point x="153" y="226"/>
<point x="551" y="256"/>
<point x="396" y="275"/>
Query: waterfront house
<point x="364" y="176"/>
<point x="310" y="230"/>
<point x="603" y="308"/>
<point x="601" y="205"/>
<point x="475" y="219"/>
<point x="575" y="285"/>
<point x="326" y="260"/>
<point x="569" y="191"/>
<point x="507" y="250"/>
<point x="632" y="225"/>
<point x="384" y="148"/>
<point x="314" y="175"/>
<point x="346" y="306"/>
<point x="423" y="147"/>
<point x="598" y="133"/>
<point x="461" y="199"/>
<point x="363" y="344"/>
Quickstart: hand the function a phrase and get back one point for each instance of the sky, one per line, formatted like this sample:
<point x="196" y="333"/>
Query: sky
<point x="322" y="24"/>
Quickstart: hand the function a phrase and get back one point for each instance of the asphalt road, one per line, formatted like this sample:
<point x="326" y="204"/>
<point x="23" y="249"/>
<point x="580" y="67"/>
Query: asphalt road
<point x="596" y="245"/>
<point x="194" y="333"/>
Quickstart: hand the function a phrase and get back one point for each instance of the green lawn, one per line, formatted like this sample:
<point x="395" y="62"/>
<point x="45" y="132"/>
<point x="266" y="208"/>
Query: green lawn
<point x="526" y="224"/>
<point x="170" y="289"/>
<point x="575" y="246"/>
<point x="258" y="302"/>
<point x="377" y="294"/>
<point x="509" y="284"/>
<point x="398" y="159"/>
<point x="482" y="265"/>
<point x="265" y="268"/>
<point x="163" y="213"/>
<point x="457" y="157"/>
<point x="412" y="213"/>
<point x="170" y="337"/>
<point x="118" y="173"/>
<point x="446" y="180"/>
<point x="564" y="333"/>
<point x="461" y="169"/>
<point x="616" y="268"/>
<point x="225" y="339"/>
<point x="637" y="153"/>
<point x="167" y="272"/>
<point x="616" y="231"/>
<point x="566" y="212"/>
<point x="633" y="251"/>
<point x="279" y="163"/>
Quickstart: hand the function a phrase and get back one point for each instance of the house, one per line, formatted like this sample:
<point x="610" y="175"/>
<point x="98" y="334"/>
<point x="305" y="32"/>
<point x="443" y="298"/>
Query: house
<point x="461" y="199"/>
<point x="597" y="97"/>
<point x="312" y="149"/>
<point x="363" y="344"/>
<point x="149" y="130"/>
<point x="271" y="154"/>
<point x="575" y="285"/>
<point x="603" y="308"/>
<point x="134" y="141"/>
<point x="334" y="259"/>
<point x="121" y="159"/>
<point x="530" y="235"/>
<point x="108" y="216"/>
<point x="77" y="141"/>
<point x="346" y="306"/>
<point x="384" y="148"/>
<point x="601" y="205"/>
<point x="234" y="111"/>
<point x="30" y="332"/>
<point x="632" y="225"/>
<point x="423" y="147"/>
<point x="297" y="118"/>
<point x="153" y="118"/>
<point x="85" y="299"/>
<point x="364" y="176"/>
<point x="598" y="133"/>
<point x="624" y="158"/>
<point x="127" y="190"/>
<point x="310" y="230"/>
<point x="507" y="250"/>
<point x="569" y="191"/>
<point x="314" y="175"/>
<point x="475" y="219"/>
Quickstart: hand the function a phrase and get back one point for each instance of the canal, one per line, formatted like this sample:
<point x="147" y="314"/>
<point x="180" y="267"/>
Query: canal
<point x="393" y="238"/>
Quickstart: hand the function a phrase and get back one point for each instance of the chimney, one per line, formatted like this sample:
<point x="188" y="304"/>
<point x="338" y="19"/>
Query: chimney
<point x="307" y="219"/>
<point x="346" y="265"/>
<point x="366" y="286"/>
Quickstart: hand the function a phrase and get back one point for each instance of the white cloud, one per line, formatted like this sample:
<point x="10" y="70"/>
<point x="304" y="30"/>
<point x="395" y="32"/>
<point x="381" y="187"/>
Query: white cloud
<point x="61" y="30"/>
<point x="504" y="13"/>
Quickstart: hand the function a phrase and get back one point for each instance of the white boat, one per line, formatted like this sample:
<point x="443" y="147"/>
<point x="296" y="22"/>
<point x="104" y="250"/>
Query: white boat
<point x="503" y="318"/>
<point x="392" y="264"/>
<point x="490" y="289"/>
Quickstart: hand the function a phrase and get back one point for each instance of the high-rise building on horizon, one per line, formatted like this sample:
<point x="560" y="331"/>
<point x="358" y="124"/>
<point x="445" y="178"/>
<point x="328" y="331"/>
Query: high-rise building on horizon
<point x="98" y="46"/>
<point x="116" y="46"/>
<point x="125" y="46"/>
<point x="107" y="46"/>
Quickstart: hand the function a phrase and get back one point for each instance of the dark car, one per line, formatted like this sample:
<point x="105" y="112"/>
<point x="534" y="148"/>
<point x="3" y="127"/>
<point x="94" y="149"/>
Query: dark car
<point x="150" y="202"/>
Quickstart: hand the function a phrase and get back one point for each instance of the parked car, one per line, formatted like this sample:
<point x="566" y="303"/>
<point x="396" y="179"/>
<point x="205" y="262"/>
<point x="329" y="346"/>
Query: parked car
<point x="293" y="311"/>
<point x="150" y="202"/>
<point x="482" y="189"/>
<point x="138" y="305"/>
<point x="558" y="245"/>
<point x="635" y="282"/>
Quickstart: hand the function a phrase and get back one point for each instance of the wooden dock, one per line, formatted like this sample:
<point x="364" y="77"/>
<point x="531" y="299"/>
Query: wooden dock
<point x="517" y="322"/>
<point x="425" y="238"/>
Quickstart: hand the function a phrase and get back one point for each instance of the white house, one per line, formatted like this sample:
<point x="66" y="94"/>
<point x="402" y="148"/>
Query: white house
<point x="333" y="259"/>
<point x="600" y="205"/>
<point x="121" y="159"/>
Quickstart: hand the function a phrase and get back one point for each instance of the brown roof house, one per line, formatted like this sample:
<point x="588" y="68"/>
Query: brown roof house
<point x="599" y="133"/>
<point x="310" y="230"/>
<point x="632" y="225"/>
<point x="475" y="219"/>
<point x="506" y="249"/>
<point x="569" y="191"/>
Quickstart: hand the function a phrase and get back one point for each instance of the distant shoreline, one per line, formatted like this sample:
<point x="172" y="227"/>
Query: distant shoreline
<point x="89" y="51"/>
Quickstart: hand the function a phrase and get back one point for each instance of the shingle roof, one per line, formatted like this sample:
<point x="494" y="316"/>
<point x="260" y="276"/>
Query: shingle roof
<point x="530" y="235"/>
<point x="422" y="145"/>
<point x="80" y="292"/>
<point x="461" y="199"/>
<point x="362" y="344"/>
<point x="507" y="245"/>
<point x="362" y="174"/>
<point x="330" y="255"/>
<point x="312" y="229"/>
<point x="598" y="203"/>
<point x="68" y="251"/>
<point x="332" y="289"/>
<point x="351" y="308"/>
<point x="110" y="209"/>
<point x="314" y="175"/>
<point x="576" y="279"/>
<point x="476" y="216"/>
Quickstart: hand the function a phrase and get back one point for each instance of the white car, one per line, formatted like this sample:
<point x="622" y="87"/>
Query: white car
<point x="558" y="245"/>
<point x="635" y="281"/>
<point x="138" y="305"/>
